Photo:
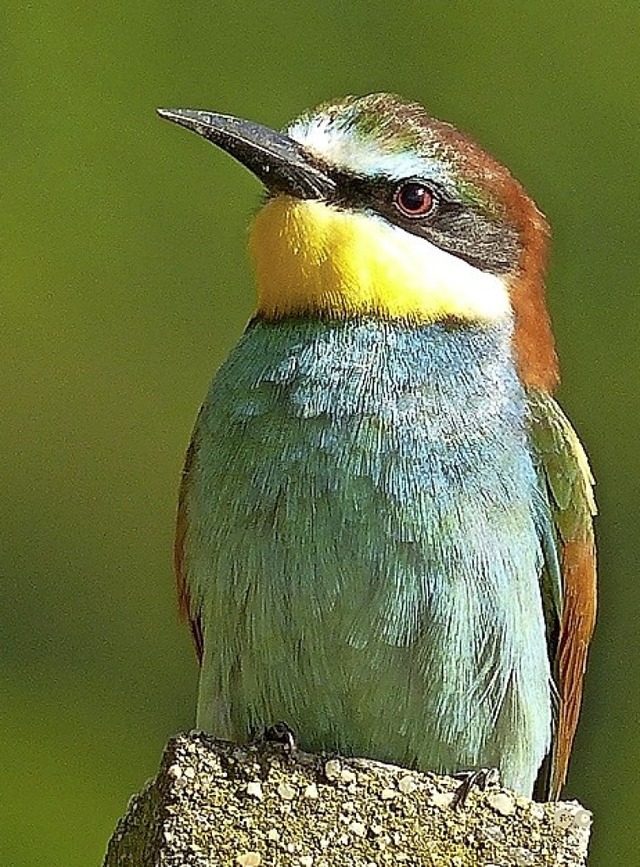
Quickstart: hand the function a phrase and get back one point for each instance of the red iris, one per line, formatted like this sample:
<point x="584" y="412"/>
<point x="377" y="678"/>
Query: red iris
<point x="414" y="199"/>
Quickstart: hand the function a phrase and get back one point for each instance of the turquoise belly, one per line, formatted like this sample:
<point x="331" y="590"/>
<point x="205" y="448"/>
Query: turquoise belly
<point x="364" y="546"/>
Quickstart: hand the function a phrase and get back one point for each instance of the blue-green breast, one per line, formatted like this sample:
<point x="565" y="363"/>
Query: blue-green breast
<point x="363" y="545"/>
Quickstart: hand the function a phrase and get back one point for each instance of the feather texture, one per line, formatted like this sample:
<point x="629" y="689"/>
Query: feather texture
<point x="188" y="610"/>
<point x="362" y="541"/>
<point x="564" y="471"/>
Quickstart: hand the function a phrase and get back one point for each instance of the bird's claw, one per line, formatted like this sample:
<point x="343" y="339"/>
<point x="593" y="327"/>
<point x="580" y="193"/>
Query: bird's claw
<point x="279" y="733"/>
<point x="480" y="778"/>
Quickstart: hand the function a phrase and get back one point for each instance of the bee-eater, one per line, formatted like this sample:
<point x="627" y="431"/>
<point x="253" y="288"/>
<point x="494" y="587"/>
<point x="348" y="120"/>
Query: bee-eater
<point x="385" y="521"/>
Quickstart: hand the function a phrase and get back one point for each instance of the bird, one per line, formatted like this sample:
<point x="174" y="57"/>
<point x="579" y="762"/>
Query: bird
<point x="385" y="520"/>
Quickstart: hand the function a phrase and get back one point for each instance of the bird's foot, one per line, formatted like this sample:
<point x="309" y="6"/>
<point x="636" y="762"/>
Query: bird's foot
<point x="481" y="778"/>
<point x="279" y="733"/>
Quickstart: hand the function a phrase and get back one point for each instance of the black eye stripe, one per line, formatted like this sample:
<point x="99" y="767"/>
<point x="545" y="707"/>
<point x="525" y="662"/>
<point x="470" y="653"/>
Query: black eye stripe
<point x="376" y="193"/>
<point x="357" y="192"/>
<point x="457" y="227"/>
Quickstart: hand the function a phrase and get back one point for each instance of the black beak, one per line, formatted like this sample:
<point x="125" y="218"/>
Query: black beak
<point x="283" y="165"/>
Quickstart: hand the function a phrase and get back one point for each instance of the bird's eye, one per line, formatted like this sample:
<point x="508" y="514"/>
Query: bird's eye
<point x="414" y="199"/>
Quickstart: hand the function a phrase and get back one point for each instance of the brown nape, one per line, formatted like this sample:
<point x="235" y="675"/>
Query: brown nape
<point x="534" y="343"/>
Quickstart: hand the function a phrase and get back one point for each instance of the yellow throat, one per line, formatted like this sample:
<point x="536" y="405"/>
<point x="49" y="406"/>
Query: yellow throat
<point x="313" y="258"/>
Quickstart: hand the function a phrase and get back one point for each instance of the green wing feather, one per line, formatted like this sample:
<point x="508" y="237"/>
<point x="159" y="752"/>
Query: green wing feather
<point x="188" y="607"/>
<point x="568" y="583"/>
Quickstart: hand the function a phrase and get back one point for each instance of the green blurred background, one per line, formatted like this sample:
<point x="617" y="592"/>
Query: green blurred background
<point x="124" y="283"/>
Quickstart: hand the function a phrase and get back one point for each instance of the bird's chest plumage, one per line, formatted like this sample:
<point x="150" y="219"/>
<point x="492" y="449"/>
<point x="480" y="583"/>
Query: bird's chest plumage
<point x="363" y="544"/>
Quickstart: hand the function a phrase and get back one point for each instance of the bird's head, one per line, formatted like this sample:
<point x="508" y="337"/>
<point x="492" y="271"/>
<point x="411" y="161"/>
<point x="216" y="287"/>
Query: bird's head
<point x="377" y="209"/>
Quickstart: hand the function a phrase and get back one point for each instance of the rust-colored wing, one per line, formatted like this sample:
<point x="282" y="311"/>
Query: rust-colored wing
<point x="185" y="604"/>
<point x="569" y="580"/>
